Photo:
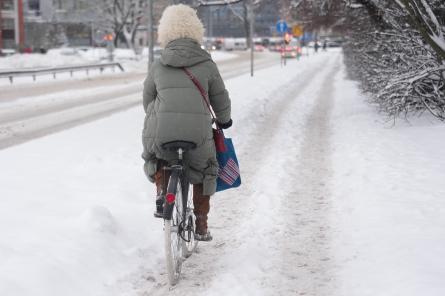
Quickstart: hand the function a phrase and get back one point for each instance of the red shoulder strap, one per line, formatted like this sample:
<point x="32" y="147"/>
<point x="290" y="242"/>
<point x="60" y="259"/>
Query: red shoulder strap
<point x="201" y="90"/>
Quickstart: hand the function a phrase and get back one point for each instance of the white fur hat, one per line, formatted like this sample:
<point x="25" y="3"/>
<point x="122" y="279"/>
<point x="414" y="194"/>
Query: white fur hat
<point x="179" y="21"/>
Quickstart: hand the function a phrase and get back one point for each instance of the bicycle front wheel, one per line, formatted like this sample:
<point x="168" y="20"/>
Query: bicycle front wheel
<point x="174" y="249"/>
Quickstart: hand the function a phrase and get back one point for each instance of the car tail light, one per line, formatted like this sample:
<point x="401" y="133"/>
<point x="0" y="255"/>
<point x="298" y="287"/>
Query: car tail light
<point x="170" y="198"/>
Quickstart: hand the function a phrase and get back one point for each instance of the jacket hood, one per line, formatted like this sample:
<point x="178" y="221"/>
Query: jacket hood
<point x="183" y="52"/>
<point x="179" y="21"/>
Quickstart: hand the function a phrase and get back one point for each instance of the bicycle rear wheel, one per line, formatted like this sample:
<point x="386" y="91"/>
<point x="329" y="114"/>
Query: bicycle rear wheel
<point x="189" y="221"/>
<point x="174" y="244"/>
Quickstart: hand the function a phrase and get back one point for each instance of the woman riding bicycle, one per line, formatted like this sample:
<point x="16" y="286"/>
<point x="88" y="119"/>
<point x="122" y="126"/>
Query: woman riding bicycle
<point x="175" y="110"/>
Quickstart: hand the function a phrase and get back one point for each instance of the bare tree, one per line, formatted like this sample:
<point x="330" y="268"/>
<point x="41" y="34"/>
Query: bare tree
<point x="122" y="18"/>
<point x="216" y="2"/>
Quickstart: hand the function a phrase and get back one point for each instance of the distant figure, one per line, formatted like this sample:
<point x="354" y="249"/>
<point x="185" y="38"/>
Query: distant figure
<point x="316" y="46"/>
<point x="325" y="45"/>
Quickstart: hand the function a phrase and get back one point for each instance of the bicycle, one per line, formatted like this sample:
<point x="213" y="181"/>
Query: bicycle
<point x="179" y="220"/>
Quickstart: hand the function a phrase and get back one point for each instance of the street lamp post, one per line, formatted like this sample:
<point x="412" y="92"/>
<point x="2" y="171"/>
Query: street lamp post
<point x="251" y="16"/>
<point x="150" y="34"/>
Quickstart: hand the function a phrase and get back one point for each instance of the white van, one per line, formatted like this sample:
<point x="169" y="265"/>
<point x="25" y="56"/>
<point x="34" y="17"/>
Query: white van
<point x="235" y="44"/>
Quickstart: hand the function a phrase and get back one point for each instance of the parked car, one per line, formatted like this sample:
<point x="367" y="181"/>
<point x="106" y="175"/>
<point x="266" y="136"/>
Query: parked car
<point x="209" y="46"/>
<point x="274" y="47"/>
<point x="235" y="44"/>
<point x="7" y="51"/>
<point x="68" y="51"/>
<point x="334" y="43"/>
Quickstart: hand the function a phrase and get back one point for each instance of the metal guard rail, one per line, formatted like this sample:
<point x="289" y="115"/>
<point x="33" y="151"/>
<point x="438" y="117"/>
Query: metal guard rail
<point x="55" y="70"/>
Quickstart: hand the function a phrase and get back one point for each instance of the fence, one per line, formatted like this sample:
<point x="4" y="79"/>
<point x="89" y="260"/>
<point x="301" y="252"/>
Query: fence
<point x="45" y="71"/>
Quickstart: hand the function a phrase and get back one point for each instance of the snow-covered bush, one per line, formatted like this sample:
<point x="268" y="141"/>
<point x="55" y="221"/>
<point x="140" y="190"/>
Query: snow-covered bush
<point x="397" y="50"/>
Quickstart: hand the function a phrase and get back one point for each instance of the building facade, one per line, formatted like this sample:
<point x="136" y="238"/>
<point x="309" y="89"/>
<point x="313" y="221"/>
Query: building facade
<point x="47" y="23"/>
<point x="230" y="21"/>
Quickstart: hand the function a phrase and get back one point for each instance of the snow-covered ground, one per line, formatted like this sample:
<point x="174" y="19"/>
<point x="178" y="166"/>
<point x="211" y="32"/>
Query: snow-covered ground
<point x="334" y="201"/>
<point x="388" y="211"/>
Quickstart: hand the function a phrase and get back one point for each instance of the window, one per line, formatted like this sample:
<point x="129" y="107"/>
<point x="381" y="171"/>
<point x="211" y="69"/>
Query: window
<point x="7" y="4"/>
<point x="8" y="24"/>
<point x="8" y="34"/>
<point x="34" y="5"/>
<point x="8" y="29"/>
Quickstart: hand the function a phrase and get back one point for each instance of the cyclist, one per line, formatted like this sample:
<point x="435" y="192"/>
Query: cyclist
<point x="175" y="110"/>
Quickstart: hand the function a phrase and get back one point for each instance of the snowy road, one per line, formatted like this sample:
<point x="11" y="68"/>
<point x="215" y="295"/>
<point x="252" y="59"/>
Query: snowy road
<point x="93" y="186"/>
<point x="34" y="110"/>
<point x="333" y="202"/>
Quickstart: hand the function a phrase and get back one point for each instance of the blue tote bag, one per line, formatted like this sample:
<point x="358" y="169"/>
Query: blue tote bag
<point x="228" y="173"/>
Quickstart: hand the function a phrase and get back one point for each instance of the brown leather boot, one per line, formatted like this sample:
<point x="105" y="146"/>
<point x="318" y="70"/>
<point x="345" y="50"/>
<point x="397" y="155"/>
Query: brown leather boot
<point x="201" y="204"/>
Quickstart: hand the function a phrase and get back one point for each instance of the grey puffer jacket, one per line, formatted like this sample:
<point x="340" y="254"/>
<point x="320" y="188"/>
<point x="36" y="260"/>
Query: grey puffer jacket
<point x="175" y="110"/>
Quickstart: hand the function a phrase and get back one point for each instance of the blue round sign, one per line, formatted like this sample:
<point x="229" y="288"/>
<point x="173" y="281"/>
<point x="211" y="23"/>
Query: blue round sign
<point x="282" y="27"/>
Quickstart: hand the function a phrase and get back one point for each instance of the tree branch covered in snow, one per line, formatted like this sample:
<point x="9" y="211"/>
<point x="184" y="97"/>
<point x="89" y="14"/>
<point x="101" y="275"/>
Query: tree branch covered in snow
<point x="217" y="2"/>
<point x="395" y="48"/>
<point x="425" y="20"/>
<point x="394" y="57"/>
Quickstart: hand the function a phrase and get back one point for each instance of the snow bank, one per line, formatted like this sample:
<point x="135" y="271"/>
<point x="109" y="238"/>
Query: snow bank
<point x="389" y="206"/>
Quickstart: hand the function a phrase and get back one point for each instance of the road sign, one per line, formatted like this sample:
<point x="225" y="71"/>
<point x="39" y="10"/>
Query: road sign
<point x="297" y="31"/>
<point x="281" y="27"/>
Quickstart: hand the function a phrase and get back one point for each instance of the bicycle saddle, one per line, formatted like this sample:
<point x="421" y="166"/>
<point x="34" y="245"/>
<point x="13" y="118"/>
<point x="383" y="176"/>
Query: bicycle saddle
<point x="175" y="145"/>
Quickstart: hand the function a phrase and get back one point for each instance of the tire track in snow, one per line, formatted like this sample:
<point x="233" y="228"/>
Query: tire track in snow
<point x="306" y="256"/>
<point x="265" y="228"/>
<point x="239" y="230"/>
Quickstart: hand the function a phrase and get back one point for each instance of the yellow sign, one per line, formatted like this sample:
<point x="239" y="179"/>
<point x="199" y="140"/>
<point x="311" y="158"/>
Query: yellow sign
<point x="297" y="31"/>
